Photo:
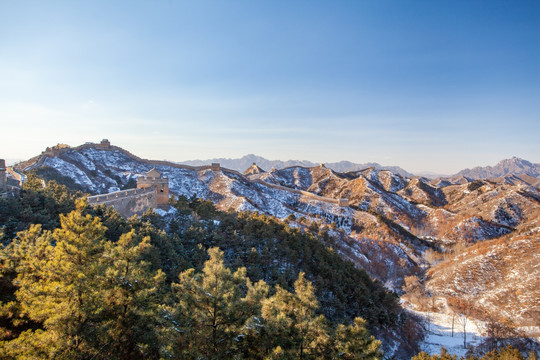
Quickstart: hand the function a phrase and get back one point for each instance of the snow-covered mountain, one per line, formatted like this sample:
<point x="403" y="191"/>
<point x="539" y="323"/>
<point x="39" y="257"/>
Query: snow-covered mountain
<point x="514" y="171"/>
<point x="245" y="161"/>
<point x="390" y="220"/>
<point x="513" y="166"/>
<point x="498" y="278"/>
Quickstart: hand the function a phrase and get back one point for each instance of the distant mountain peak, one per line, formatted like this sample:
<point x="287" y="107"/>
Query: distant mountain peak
<point x="246" y="162"/>
<point x="516" y="161"/>
<point x="253" y="170"/>
<point x="512" y="166"/>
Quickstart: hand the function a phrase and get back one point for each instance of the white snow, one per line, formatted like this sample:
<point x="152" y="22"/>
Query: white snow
<point x="69" y="170"/>
<point x="162" y="212"/>
<point x="439" y="333"/>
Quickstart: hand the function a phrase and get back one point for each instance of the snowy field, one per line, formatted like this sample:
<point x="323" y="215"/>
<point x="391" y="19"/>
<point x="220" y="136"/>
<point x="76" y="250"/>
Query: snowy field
<point x="439" y="333"/>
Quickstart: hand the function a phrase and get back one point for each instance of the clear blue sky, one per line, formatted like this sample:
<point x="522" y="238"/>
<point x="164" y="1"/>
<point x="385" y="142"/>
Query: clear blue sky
<point x="426" y="85"/>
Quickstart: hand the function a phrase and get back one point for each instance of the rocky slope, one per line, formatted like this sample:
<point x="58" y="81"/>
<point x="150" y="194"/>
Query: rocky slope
<point x="499" y="279"/>
<point x="390" y="221"/>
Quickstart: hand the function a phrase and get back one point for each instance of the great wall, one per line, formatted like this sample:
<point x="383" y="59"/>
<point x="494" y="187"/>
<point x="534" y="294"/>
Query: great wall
<point x="128" y="202"/>
<point x="3" y="178"/>
<point x="152" y="189"/>
<point x="10" y="180"/>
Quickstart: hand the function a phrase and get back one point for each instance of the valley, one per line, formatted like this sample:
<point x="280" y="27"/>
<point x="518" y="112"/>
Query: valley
<point x="431" y="241"/>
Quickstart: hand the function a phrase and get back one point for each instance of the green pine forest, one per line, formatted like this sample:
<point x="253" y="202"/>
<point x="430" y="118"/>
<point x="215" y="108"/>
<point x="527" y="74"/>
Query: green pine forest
<point x="81" y="282"/>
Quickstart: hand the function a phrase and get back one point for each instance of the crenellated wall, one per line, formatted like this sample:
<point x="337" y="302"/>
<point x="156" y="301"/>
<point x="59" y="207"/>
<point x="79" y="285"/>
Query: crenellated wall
<point x="154" y="179"/>
<point x="162" y="191"/>
<point x="3" y="179"/>
<point x="128" y="202"/>
<point x="17" y="177"/>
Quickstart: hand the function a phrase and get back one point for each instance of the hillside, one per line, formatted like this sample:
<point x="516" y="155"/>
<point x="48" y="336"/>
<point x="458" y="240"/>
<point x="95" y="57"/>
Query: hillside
<point x="393" y="226"/>
<point x="144" y="287"/>
<point x="95" y="169"/>
<point x="498" y="278"/>
<point x="384" y="207"/>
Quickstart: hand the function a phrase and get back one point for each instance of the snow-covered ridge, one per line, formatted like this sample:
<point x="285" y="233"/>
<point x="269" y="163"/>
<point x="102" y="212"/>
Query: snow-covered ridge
<point x="451" y="213"/>
<point x="391" y="219"/>
<point x="387" y="230"/>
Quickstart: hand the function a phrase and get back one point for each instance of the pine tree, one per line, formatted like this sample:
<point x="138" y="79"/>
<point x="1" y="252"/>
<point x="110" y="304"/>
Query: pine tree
<point x="93" y="298"/>
<point x="64" y="295"/>
<point x="59" y="292"/>
<point x="213" y="310"/>
<point x="353" y="342"/>
<point x="445" y="355"/>
<point x="26" y="253"/>
<point x="294" y="329"/>
<point x="130" y="297"/>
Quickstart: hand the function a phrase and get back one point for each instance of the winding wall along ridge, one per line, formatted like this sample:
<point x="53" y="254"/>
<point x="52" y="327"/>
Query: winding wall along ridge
<point x="58" y="151"/>
<point x="104" y="198"/>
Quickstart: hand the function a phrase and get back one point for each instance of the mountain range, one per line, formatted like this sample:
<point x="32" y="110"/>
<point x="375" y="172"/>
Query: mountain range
<point x="513" y="166"/>
<point x="246" y="161"/>
<point x="524" y="170"/>
<point x="388" y="225"/>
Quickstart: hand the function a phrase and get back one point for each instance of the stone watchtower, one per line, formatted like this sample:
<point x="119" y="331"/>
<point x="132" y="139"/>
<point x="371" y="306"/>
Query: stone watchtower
<point x="154" y="178"/>
<point x="3" y="180"/>
<point x="104" y="144"/>
<point x="343" y="202"/>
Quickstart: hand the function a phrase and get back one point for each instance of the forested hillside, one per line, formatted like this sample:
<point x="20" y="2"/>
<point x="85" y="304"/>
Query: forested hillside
<point x="395" y="236"/>
<point x="81" y="282"/>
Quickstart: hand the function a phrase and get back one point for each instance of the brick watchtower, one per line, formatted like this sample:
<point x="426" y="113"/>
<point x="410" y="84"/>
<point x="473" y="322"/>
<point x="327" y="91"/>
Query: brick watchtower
<point x="105" y="144"/>
<point x="3" y="179"/>
<point x="154" y="178"/>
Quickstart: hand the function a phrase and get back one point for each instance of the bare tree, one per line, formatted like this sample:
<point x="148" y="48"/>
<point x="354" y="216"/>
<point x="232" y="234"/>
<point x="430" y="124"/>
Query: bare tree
<point x="462" y="308"/>
<point x="453" y="321"/>
<point x="463" y="321"/>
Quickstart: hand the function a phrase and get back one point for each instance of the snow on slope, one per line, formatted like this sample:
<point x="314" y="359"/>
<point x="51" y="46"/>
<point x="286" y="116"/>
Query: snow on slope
<point x="72" y="171"/>
<point x="500" y="277"/>
<point x="439" y="333"/>
<point x="488" y="211"/>
<point x="294" y="177"/>
<point x="378" y="231"/>
<point x="97" y="170"/>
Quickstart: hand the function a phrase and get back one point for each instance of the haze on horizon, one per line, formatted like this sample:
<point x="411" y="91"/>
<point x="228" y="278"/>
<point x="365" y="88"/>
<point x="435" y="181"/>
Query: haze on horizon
<point x="428" y="86"/>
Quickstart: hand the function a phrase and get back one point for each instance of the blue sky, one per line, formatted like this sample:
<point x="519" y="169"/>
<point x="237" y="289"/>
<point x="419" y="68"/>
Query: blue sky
<point x="426" y="85"/>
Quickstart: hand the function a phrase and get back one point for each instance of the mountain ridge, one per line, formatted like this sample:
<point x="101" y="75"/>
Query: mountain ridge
<point x="389" y="226"/>
<point x="504" y="168"/>
<point x="512" y="166"/>
<point x="241" y="164"/>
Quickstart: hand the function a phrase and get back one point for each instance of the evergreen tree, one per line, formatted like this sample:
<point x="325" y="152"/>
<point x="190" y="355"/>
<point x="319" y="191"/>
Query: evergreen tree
<point x="93" y="298"/>
<point x="37" y="203"/>
<point x="62" y="294"/>
<point x="294" y="329"/>
<point x="212" y="310"/>
<point x="353" y="342"/>
<point x="26" y="254"/>
<point x="445" y="355"/>
<point x="130" y="296"/>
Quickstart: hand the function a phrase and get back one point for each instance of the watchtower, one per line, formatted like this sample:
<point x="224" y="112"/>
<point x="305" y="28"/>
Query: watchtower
<point x="215" y="166"/>
<point x="105" y="144"/>
<point x="343" y="202"/>
<point x="154" y="178"/>
<point x="3" y="180"/>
